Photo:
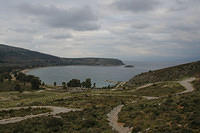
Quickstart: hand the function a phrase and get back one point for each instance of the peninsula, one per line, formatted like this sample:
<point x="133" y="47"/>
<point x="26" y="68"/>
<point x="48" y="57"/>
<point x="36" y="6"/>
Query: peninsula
<point x="14" y="56"/>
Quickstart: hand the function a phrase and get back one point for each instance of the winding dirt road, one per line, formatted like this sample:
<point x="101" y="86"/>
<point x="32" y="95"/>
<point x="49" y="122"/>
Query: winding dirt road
<point x="113" y="121"/>
<point x="55" y="111"/>
<point x="187" y="84"/>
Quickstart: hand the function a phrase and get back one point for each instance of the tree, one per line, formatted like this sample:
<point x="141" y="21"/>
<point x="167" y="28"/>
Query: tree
<point x="64" y="85"/>
<point x="21" y="77"/>
<point x="109" y="87"/>
<point x="1" y="79"/>
<point x="83" y="84"/>
<point x="88" y="83"/>
<point x="94" y="85"/>
<point x="35" y="83"/>
<point x="43" y="84"/>
<point x="18" y="88"/>
<point x="54" y="83"/>
<point x="9" y="78"/>
<point x="28" y="78"/>
<point x="15" y="74"/>
<point x="74" y="83"/>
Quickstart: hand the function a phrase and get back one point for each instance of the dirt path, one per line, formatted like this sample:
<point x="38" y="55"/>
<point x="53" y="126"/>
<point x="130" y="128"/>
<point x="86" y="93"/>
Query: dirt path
<point x="150" y="98"/>
<point x="113" y="121"/>
<point x="120" y="85"/>
<point x="187" y="84"/>
<point x="143" y="86"/>
<point x="55" y="111"/>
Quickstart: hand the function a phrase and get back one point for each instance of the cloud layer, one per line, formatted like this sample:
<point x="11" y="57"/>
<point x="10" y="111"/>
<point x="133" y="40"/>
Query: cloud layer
<point x="125" y="29"/>
<point x="82" y="18"/>
<point x="136" y="5"/>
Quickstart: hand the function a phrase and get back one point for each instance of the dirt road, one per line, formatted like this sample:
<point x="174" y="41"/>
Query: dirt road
<point x="187" y="84"/>
<point x="113" y="121"/>
<point x="55" y="111"/>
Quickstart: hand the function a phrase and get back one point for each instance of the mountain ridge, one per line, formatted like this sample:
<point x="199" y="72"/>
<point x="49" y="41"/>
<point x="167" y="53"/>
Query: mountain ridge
<point x="16" y="56"/>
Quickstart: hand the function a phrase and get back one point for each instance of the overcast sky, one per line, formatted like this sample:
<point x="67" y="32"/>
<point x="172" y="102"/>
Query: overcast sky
<point x="124" y="29"/>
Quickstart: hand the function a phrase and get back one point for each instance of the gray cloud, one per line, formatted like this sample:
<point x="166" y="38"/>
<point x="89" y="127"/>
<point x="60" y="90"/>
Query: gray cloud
<point x="24" y="30"/>
<point x="58" y="36"/>
<point x="140" y="26"/>
<point x="183" y="5"/>
<point x="136" y="5"/>
<point x="80" y="19"/>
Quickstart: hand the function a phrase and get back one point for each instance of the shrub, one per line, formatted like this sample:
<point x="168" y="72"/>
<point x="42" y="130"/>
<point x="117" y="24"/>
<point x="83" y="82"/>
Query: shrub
<point x="74" y="83"/>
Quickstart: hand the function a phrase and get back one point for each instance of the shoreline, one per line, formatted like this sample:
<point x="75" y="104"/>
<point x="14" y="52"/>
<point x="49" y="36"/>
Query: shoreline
<point x="25" y="71"/>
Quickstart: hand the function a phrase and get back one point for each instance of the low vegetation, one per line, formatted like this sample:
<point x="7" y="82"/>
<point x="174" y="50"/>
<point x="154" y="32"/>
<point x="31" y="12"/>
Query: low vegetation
<point x="160" y="89"/>
<point x="73" y="122"/>
<point x="5" y="114"/>
<point x="196" y="84"/>
<point x="177" y="114"/>
<point x="173" y="113"/>
<point x="167" y="74"/>
<point x="13" y="80"/>
<point x="93" y="117"/>
<point x="13" y="98"/>
<point x="14" y="86"/>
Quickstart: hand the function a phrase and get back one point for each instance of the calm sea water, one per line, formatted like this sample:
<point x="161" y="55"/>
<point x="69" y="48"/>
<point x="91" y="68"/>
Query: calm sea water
<point x="98" y="74"/>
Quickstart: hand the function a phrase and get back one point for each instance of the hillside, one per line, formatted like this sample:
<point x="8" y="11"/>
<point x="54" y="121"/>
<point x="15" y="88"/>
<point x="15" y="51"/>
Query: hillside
<point x="166" y="74"/>
<point x="13" y="56"/>
<point x="164" y="107"/>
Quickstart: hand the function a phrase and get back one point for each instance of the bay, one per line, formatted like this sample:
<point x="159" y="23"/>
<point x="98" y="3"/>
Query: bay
<point x="98" y="74"/>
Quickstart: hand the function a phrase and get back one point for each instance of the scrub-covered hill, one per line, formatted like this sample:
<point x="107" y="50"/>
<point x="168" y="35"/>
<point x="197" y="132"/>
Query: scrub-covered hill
<point x="13" y="56"/>
<point x="166" y="74"/>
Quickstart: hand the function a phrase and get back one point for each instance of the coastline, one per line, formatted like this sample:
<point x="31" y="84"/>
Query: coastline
<point x="29" y="69"/>
<point x="25" y="71"/>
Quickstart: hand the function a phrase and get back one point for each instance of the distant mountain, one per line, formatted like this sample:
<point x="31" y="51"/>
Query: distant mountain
<point x="13" y="56"/>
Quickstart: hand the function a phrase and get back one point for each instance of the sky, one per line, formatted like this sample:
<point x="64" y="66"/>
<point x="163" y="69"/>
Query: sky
<point x="125" y="29"/>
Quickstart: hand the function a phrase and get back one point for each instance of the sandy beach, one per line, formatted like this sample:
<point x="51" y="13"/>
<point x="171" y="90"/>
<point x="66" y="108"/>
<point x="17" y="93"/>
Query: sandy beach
<point x="25" y="71"/>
